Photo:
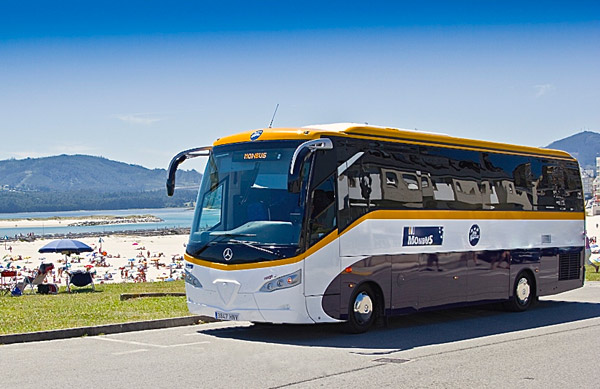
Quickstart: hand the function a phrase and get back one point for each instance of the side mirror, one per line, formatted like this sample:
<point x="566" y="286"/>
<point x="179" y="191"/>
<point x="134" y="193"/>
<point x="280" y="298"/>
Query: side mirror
<point x="300" y="155"/>
<point x="178" y="160"/>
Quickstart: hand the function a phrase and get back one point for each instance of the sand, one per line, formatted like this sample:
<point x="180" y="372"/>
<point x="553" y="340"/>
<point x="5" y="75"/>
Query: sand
<point x="162" y="256"/>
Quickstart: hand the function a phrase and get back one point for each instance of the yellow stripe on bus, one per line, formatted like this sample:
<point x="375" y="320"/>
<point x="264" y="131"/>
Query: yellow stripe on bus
<point x="397" y="215"/>
<point x="258" y="265"/>
<point x="395" y="135"/>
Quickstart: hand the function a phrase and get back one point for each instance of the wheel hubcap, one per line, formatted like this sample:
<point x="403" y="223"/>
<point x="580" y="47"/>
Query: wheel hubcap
<point x="523" y="291"/>
<point x="363" y="307"/>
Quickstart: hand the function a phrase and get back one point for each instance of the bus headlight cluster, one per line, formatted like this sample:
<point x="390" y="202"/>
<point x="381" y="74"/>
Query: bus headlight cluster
<point x="283" y="282"/>
<point x="192" y="280"/>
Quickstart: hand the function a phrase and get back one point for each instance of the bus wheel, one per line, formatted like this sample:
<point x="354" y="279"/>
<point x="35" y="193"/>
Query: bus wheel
<point x="362" y="310"/>
<point x="523" y="293"/>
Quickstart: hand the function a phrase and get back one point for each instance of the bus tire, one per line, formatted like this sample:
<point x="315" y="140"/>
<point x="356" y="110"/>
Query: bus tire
<point x="523" y="295"/>
<point x="362" y="310"/>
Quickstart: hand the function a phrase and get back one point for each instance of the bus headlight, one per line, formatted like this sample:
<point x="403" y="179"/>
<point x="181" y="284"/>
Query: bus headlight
<point x="283" y="282"/>
<point x="192" y="280"/>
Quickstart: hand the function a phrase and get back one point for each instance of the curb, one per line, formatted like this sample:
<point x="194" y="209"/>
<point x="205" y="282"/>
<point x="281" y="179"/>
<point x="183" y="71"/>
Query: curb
<point x="127" y="296"/>
<point x="104" y="329"/>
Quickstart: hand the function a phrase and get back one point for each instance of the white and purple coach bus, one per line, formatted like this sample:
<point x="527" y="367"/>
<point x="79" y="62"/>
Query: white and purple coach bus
<point x="350" y="222"/>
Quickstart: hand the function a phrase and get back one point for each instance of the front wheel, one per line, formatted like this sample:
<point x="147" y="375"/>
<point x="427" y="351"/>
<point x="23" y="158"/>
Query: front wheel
<point x="362" y="310"/>
<point x="523" y="294"/>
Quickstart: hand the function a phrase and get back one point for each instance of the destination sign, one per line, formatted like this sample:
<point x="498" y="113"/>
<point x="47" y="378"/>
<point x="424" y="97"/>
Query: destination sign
<point x="255" y="155"/>
<point x="247" y="156"/>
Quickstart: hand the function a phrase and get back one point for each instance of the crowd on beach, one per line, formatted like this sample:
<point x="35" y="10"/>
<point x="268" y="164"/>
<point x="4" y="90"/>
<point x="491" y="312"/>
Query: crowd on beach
<point x="116" y="258"/>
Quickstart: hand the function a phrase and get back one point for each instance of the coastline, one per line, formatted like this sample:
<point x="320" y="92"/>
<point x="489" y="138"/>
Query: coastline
<point x="78" y="235"/>
<point x="74" y="221"/>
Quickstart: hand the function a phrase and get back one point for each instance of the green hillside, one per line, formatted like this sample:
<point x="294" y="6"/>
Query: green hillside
<point x="83" y="182"/>
<point x="85" y="172"/>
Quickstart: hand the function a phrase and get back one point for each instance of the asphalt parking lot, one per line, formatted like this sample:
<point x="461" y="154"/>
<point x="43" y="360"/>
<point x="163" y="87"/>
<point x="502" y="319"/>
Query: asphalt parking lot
<point x="553" y="345"/>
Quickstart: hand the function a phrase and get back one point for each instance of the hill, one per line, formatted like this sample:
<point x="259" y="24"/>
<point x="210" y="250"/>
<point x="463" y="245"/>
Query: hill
<point x="85" y="172"/>
<point x="74" y="182"/>
<point x="585" y="146"/>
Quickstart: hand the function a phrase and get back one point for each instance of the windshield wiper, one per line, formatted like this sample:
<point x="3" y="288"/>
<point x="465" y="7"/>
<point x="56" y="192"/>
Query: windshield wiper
<point x="249" y="244"/>
<point x="229" y="234"/>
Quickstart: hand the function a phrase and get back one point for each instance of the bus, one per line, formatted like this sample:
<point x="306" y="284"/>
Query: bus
<point x="353" y="222"/>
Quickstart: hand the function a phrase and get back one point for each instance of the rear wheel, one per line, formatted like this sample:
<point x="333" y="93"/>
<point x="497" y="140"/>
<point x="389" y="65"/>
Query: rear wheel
<point x="362" y="310"/>
<point x="523" y="294"/>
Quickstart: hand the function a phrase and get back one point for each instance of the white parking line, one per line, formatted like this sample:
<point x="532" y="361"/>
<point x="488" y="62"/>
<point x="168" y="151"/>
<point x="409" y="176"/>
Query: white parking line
<point x="131" y="342"/>
<point x="131" y="352"/>
<point x="186" y="344"/>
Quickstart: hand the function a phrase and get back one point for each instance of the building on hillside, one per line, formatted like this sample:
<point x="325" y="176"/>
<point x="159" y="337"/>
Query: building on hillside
<point x="587" y="181"/>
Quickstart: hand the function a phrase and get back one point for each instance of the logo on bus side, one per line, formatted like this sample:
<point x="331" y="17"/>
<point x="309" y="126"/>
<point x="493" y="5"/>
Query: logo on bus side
<point x="423" y="236"/>
<point x="256" y="134"/>
<point x="474" y="235"/>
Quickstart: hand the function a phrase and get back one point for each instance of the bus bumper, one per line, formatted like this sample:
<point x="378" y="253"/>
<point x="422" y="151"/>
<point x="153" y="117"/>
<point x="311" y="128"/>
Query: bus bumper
<point x="223" y="299"/>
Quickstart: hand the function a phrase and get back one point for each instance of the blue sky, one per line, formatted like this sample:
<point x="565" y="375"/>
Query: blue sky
<point x="139" y="81"/>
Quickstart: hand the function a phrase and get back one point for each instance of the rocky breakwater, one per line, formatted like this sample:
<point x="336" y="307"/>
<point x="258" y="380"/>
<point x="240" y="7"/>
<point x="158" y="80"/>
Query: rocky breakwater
<point x="109" y="220"/>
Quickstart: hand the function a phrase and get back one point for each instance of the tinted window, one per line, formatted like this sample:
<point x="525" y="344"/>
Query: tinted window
<point x="549" y="182"/>
<point x="506" y="182"/>
<point x="400" y="166"/>
<point x="557" y="186"/>
<point x="574" y="195"/>
<point x="455" y="178"/>
<point x="322" y="215"/>
<point x="359" y="189"/>
<point x="378" y="175"/>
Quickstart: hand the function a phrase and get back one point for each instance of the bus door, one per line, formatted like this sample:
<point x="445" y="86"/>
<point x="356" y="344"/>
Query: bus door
<point x="323" y="265"/>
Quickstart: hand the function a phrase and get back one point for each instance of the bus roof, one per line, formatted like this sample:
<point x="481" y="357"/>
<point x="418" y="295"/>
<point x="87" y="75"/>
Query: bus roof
<point x="367" y="131"/>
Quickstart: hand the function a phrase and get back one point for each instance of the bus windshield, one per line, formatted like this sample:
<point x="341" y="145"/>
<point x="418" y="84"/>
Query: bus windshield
<point x="244" y="204"/>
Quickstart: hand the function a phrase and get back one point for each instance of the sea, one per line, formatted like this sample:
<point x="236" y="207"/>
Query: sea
<point x="172" y="218"/>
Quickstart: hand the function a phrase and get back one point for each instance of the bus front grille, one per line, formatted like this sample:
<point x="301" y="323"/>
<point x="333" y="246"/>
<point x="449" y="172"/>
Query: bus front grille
<point x="569" y="266"/>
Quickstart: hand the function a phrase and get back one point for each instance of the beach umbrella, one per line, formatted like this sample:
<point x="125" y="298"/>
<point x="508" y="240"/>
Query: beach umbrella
<point x="66" y="247"/>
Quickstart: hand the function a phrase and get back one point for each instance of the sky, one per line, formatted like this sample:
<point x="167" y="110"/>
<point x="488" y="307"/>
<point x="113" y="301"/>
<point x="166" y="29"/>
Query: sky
<point x="139" y="81"/>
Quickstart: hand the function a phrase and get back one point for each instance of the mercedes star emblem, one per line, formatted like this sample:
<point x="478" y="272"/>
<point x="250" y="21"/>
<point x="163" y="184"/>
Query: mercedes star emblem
<point x="228" y="254"/>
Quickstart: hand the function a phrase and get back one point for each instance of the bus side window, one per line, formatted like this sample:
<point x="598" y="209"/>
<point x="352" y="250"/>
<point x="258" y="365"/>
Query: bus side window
<point x="397" y="168"/>
<point x="323" y="210"/>
<point x="507" y="182"/>
<point x="359" y="191"/>
<point x="549" y="185"/>
<point x="455" y="176"/>
<point x="574" y="199"/>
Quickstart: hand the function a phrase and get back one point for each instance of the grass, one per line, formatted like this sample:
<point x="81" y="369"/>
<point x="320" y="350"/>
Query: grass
<point x="84" y="307"/>
<point x="590" y="274"/>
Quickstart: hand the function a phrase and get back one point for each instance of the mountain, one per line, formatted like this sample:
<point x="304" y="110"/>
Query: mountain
<point x="74" y="182"/>
<point x="585" y="146"/>
<point x="85" y="172"/>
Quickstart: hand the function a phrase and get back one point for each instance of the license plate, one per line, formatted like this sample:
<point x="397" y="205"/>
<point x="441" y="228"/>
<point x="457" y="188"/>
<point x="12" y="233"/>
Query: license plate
<point x="226" y="316"/>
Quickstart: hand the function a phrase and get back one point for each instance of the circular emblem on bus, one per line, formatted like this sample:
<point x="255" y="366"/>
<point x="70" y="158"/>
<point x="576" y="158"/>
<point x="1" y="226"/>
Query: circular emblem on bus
<point x="474" y="234"/>
<point x="227" y="254"/>
<point x="256" y="134"/>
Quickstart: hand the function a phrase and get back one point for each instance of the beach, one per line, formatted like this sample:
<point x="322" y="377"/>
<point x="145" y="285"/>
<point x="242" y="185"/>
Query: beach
<point x="116" y="258"/>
